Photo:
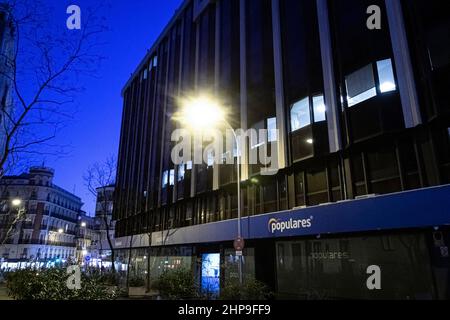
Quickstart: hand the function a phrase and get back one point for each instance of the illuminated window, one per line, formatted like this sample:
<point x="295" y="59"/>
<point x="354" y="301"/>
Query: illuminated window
<point x="181" y="172"/>
<point x="189" y="165"/>
<point x="386" y="76"/>
<point x="172" y="177"/>
<point x="360" y="86"/>
<point x="300" y="115"/>
<point x="210" y="159"/>
<point x="165" y="179"/>
<point x="319" y="109"/>
<point x="272" y="130"/>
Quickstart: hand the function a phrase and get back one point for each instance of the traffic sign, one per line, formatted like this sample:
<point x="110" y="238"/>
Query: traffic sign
<point x="239" y="244"/>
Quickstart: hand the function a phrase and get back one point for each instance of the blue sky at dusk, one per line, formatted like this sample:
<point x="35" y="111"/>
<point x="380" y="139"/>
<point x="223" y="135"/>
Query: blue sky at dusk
<point x="94" y="134"/>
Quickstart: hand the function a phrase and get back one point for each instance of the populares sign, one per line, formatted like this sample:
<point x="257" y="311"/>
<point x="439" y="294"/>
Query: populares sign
<point x="280" y="226"/>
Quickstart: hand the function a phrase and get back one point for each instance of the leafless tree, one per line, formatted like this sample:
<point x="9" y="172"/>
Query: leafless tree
<point x="11" y="224"/>
<point x="43" y="71"/>
<point x="97" y="178"/>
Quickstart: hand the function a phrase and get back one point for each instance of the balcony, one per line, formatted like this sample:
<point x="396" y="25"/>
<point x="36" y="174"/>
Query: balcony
<point x="60" y="216"/>
<point x="48" y="243"/>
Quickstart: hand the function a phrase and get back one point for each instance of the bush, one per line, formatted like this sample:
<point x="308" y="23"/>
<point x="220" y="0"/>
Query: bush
<point x="251" y="290"/>
<point x="136" y="282"/>
<point x="51" y="284"/>
<point x="108" y="279"/>
<point x="177" y="285"/>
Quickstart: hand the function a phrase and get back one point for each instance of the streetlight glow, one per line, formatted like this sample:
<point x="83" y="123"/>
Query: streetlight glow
<point x="16" y="202"/>
<point x="83" y="224"/>
<point x="201" y="113"/>
<point x="60" y="231"/>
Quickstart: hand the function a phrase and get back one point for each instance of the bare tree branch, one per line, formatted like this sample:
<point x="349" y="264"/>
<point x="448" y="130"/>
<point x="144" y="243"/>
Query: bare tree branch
<point x="97" y="178"/>
<point x="43" y="69"/>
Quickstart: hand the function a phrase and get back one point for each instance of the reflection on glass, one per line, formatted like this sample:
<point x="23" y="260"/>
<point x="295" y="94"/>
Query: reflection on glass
<point x="165" y="179"/>
<point x="386" y="75"/>
<point x="319" y="109"/>
<point x="360" y="86"/>
<point x="300" y="115"/>
<point x="172" y="177"/>
<point x="210" y="159"/>
<point x="272" y="130"/>
<point x="181" y="172"/>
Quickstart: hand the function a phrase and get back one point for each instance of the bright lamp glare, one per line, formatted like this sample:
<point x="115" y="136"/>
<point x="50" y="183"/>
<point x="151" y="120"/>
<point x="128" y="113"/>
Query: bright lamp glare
<point x="321" y="108"/>
<point x="60" y="231"/>
<point x="387" y="87"/>
<point x="202" y="113"/>
<point x="83" y="224"/>
<point x="16" y="202"/>
<point x="310" y="141"/>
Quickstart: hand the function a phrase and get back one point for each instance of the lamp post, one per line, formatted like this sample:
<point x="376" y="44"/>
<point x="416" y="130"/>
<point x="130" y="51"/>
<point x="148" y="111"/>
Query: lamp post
<point x="203" y="113"/>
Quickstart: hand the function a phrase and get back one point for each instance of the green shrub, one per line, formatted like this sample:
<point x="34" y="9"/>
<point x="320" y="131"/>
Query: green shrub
<point x="108" y="279"/>
<point x="136" y="282"/>
<point x="51" y="284"/>
<point x="251" y="290"/>
<point x="177" y="285"/>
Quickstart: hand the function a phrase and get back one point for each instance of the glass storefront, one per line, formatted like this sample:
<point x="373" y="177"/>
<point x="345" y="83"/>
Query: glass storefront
<point x="231" y="265"/>
<point x="156" y="261"/>
<point x="337" y="268"/>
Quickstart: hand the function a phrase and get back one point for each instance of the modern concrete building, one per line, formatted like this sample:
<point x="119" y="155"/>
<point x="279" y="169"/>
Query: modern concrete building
<point x="363" y="147"/>
<point x="48" y="225"/>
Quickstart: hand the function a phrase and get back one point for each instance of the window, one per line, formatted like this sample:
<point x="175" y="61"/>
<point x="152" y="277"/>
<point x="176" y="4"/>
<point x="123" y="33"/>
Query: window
<point x="181" y="172"/>
<point x="319" y="109"/>
<point x="258" y="140"/>
<point x="360" y="86"/>
<point x="172" y="177"/>
<point x="386" y="76"/>
<point x="165" y="179"/>
<point x="189" y="165"/>
<point x="155" y="62"/>
<point x="210" y="159"/>
<point x="300" y="115"/>
<point x="272" y="135"/>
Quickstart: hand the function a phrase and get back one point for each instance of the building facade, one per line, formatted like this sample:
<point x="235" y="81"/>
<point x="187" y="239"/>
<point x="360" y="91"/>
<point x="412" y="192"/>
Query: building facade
<point x="87" y="239"/>
<point x="363" y="146"/>
<point x="47" y="231"/>
<point x="104" y="224"/>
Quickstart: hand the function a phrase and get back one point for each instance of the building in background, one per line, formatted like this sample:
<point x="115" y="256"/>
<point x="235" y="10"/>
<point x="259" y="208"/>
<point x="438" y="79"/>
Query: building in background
<point x="87" y="239"/>
<point x="363" y="144"/>
<point x="47" y="232"/>
<point x="7" y="41"/>
<point x="104" y="224"/>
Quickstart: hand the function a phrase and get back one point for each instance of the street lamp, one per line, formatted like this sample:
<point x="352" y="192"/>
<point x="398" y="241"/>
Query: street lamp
<point x="203" y="113"/>
<point x="83" y="224"/>
<point x="16" y="202"/>
<point x="60" y="231"/>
